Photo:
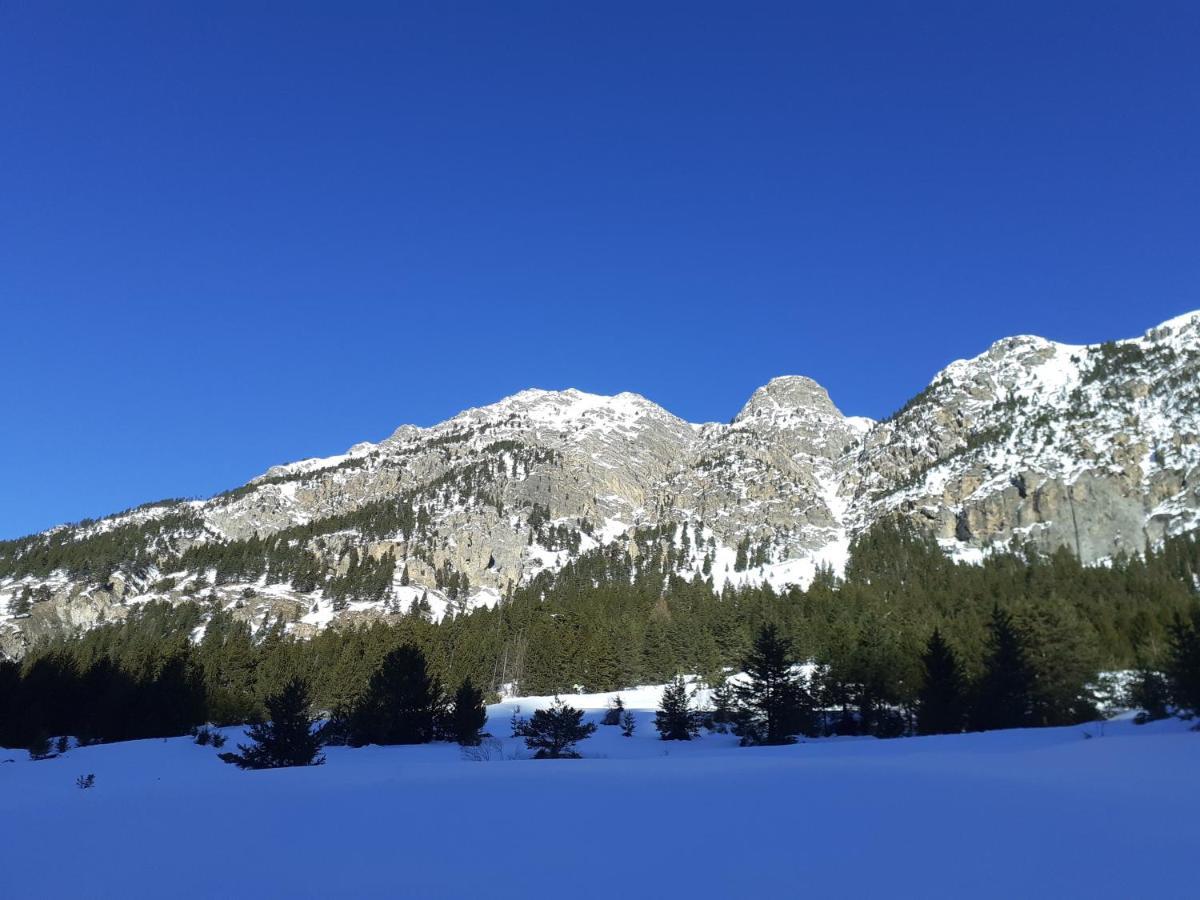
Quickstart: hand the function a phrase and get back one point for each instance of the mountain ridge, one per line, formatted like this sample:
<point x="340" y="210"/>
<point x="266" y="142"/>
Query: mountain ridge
<point x="1093" y="447"/>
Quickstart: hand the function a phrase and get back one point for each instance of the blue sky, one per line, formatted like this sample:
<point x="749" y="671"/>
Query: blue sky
<point x="235" y="234"/>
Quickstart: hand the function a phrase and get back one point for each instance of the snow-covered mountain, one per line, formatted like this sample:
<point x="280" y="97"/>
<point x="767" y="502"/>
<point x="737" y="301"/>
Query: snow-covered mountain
<point x="1090" y="447"/>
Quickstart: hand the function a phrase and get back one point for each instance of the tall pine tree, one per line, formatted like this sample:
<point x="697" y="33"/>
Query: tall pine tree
<point x="774" y="705"/>
<point x="1004" y="696"/>
<point x="469" y="715"/>
<point x="941" y="703"/>
<point x="401" y="703"/>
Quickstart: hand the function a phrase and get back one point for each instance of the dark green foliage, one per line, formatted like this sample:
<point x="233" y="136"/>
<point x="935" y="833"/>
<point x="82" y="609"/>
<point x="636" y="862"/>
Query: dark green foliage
<point x="468" y="715"/>
<point x="1004" y="695"/>
<point x="286" y="739"/>
<point x="401" y="703"/>
<point x="39" y="747"/>
<point x="675" y="719"/>
<point x="613" y="618"/>
<point x="553" y="733"/>
<point x="773" y="705"/>
<point x="628" y="724"/>
<point x="1151" y="694"/>
<point x="942" y="701"/>
<point x="22" y="603"/>
<point x="1061" y="652"/>
<point x="132" y="548"/>
<point x="1183" y="666"/>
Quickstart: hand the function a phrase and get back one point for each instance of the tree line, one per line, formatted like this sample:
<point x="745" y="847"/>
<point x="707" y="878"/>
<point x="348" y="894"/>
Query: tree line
<point x="614" y="618"/>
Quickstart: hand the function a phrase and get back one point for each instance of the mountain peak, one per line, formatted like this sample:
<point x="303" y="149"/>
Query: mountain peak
<point x="787" y="394"/>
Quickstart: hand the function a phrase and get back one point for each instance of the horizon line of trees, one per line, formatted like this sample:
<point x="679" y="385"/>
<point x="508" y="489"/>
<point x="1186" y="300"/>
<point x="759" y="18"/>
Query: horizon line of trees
<point x="611" y="620"/>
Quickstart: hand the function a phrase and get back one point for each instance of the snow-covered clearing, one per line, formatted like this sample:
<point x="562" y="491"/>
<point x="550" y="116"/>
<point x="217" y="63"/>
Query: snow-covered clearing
<point x="1043" y="813"/>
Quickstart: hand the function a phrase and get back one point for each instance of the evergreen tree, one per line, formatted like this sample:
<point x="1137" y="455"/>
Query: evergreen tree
<point x="469" y="714"/>
<point x="1150" y="694"/>
<point x="286" y="739"/>
<point x="773" y="706"/>
<point x="39" y="747"/>
<point x="723" y="711"/>
<point x="1061" y="650"/>
<point x="21" y="603"/>
<point x="674" y="719"/>
<point x="1004" y="696"/>
<point x="400" y="705"/>
<point x="628" y="724"/>
<point x="1183" y="665"/>
<point x="553" y="732"/>
<point x="941" y="703"/>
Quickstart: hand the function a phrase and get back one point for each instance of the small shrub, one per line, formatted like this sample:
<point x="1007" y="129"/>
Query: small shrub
<point x="83" y="782"/>
<point x="487" y="750"/>
<point x="628" y="724"/>
<point x="39" y="748"/>
<point x="612" y="715"/>
<point x="517" y="723"/>
<point x="552" y="733"/>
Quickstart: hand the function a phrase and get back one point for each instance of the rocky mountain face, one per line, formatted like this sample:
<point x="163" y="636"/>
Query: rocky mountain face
<point x="1090" y="447"/>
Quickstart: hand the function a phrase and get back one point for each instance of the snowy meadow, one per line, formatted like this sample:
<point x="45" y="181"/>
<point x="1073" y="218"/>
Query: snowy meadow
<point x="1100" y="810"/>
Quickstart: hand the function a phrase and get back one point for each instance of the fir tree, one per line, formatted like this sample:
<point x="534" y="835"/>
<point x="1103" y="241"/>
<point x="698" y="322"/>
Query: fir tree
<point x="1150" y="694"/>
<point x="941" y="703"/>
<point x="773" y="706"/>
<point x="400" y="705"/>
<point x="674" y="719"/>
<point x="628" y="724"/>
<point x="469" y="714"/>
<point x="723" y="711"/>
<point x="552" y="733"/>
<point x="39" y="747"/>
<point x="1183" y="666"/>
<point x="1061" y="650"/>
<point x="21" y="602"/>
<point x="286" y="739"/>
<point x="1004" y="695"/>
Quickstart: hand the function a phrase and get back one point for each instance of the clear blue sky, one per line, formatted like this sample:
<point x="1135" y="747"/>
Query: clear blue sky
<point x="236" y="234"/>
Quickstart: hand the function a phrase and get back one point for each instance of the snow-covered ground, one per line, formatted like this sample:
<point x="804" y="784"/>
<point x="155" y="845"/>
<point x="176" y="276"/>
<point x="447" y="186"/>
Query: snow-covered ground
<point x="1094" y="811"/>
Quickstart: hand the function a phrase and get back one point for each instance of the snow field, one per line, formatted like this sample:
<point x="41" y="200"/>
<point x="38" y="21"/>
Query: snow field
<point x="1097" y="811"/>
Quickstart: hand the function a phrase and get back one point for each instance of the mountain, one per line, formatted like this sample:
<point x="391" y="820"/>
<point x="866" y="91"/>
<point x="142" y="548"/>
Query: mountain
<point x="1094" y="448"/>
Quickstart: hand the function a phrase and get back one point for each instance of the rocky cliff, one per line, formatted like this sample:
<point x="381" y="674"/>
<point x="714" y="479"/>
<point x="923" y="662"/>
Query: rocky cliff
<point x="1090" y="447"/>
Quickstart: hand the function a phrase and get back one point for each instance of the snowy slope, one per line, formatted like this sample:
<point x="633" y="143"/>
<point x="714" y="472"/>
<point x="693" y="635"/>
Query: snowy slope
<point x="1096" y="448"/>
<point x="1035" y="813"/>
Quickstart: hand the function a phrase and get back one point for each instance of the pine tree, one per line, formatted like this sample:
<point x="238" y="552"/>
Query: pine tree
<point x="941" y="703"/>
<point x="773" y="706"/>
<point x="39" y="747"/>
<point x="1183" y="665"/>
<point x="674" y="719"/>
<point x="628" y="724"/>
<point x="723" y="711"/>
<point x="400" y="705"/>
<point x="21" y="602"/>
<point x="286" y="739"/>
<point x="469" y="714"/>
<point x="1004" y="695"/>
<point x="1061" y="650"/>
<point x="553" y="732"/>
